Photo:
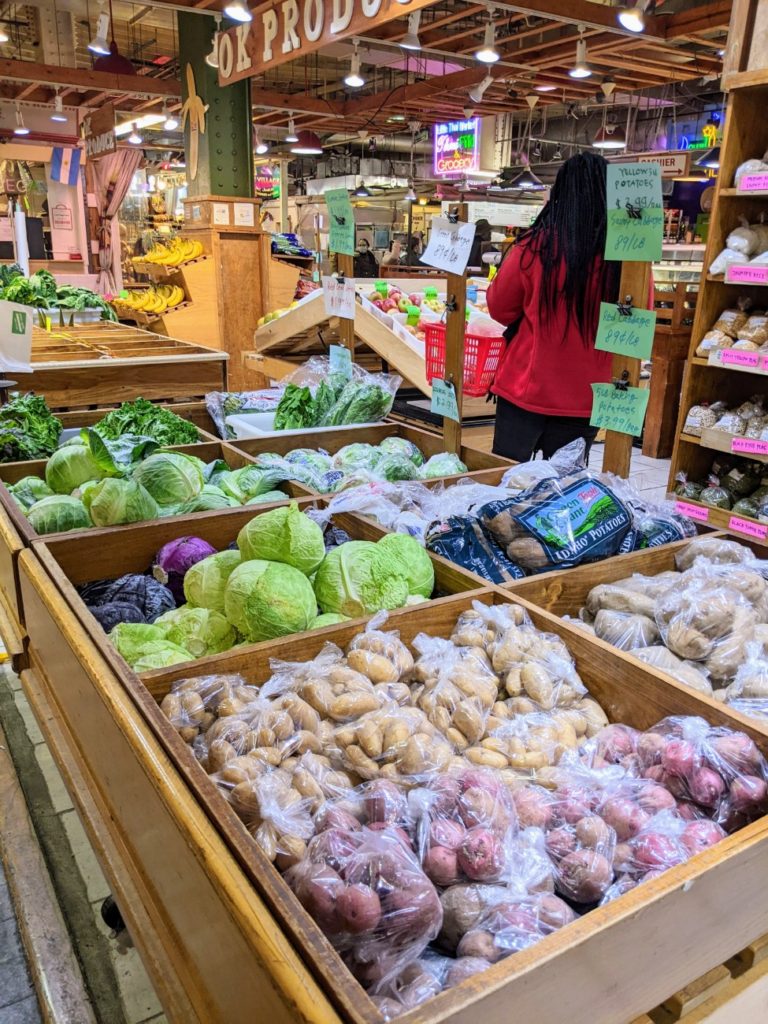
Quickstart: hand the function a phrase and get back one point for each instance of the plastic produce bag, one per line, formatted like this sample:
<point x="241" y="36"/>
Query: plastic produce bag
<point x="221" y="404"/>
<point x="462" y="540"/>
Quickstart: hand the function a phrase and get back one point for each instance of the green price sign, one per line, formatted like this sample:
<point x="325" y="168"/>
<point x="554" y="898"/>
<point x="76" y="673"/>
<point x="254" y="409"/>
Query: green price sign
<point x="635" y="212"/>
<point x="626" y="335"/>
<point x="444" y="400"/>
<point x="341" y="222"/>
<point x="622" y="411"/>
<point x="340" y="359"/>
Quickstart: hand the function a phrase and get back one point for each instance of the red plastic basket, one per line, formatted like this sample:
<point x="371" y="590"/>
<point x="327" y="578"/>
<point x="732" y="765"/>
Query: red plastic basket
<point x="481" y="358"/>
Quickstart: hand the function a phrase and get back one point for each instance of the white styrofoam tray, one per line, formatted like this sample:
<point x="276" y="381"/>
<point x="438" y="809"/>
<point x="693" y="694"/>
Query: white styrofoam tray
<point x="262" y="424"/>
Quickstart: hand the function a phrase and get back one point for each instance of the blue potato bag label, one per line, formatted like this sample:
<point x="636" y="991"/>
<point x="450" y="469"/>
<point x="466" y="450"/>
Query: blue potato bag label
<point x="462" y="541"/>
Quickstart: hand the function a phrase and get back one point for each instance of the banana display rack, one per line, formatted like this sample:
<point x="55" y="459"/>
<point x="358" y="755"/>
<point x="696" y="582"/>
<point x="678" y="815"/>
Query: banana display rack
<point x="168" y="293"/>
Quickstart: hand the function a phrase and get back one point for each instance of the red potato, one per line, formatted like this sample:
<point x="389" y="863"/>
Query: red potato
<point x="680" y="758"/>
<point x="615" y="742"/>
<point x="393" y="830"/>
<point x="359" y="909"/>
<point x="653" y="798"/>
<point x="553" y="912"/>
<point x="412" y="913"/>
<point x="447" y="833"/>
<point x="335" y="817"/>
<point x="700" y="835"/>
<point x="594" y="833"/>
<point x="534" y="807"/>
<point x="464" y="968"/>
<point x="334" y="847"/>
<point x="445" y="792"/>
<point x="476" y="778"/>
<point x="657" y="850"/>
<point x="574" y="802"/>
<point x="622" y="857"/>
<point x="632" y="765"/>
<point x="584" y="876"/>
<point x="479" y="943"/>
<point x="688" y="811"/>
<point x="560" y="841"/>
<point x="748" y="793"/>
<point x="383" y="801"/>
<point x="655" y="773"/>
<point x="650" y="746"/>
<point x="738" y="751"/>
<point x="706" y="787"/>
<point x="441" y="866"/>
<point x="481" y="856"/>
<point x="463" y="907"/>
<point x="319" y="892"/>
<point x="624" y="816"/>
<point x="477" y="806"/>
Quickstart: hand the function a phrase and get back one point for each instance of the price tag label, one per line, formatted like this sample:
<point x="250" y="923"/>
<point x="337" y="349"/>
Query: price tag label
<point x="626" y="335"/>
<point x="635" y="212"/>
<point x="736" y="274"/>
<point x="339" y="297"/>
<point x="444" y="399"/>
<point x="622" y="411"/>
<point x="341" y="222"/>
<point x="340" y="359"/>
<point x="449" y="246"/>
<point x="16" y="337"/>
<point x="414" y="315"/>
<point x="749" y="446"/>
<point x="757" y="530"/>
<point x="735" y="357"/>
<point x="684" y="508"/>
<point x="753" y="183"/>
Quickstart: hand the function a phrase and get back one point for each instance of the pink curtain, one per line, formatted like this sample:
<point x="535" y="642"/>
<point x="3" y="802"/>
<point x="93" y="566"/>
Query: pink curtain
<point x="113" y="175"/>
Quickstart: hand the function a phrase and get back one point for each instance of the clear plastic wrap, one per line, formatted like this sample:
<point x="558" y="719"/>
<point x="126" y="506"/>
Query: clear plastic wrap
<point x="701" y="416"/>
<point x="713" y="340"/>
<point x="718" y="550"/>
<point x="755" y="329"/>
<point x="730" y="322"/>
<point x="513" y="926"/>
<point x="194" y="703"/>
<point x="221" y="404"/>
<point x="724" y="259"/>
<point x="536" y="665"/>
<point x="565" y="461"/>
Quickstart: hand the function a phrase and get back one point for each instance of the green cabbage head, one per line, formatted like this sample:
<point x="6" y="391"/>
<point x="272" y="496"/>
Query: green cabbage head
<point x="30" y="489"/>
<point x="137" y="640"/>
<point x="411" y="560"/>
<point x="328" y="619"/>
<point x="163" y="655"/>
<point x="264" y="600"/>
<point x="57" y="514"/>
<point x="170" y="477"/>
<point x="206" y="581"/>
<point x="111" y="502"/>
<point x="357" y="578"/>
<point x="70" y="466"/>
<point x="198" y="630"/>
<point x="283" y="535"/>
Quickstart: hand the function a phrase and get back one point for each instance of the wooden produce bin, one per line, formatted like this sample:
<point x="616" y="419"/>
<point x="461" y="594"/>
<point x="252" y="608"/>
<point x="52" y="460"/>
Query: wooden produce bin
<point x="104" y="363"/>
<point x="216" y="910"/>
<point x="17" y="533"/>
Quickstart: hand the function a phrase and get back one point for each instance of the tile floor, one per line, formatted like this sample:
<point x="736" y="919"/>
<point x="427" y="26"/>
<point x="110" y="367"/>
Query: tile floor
<point x="649" y="476"/>
<point x="18" y="1002"/>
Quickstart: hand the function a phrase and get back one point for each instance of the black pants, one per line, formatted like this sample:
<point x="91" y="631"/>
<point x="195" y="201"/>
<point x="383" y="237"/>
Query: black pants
<point x="519" y="434"/>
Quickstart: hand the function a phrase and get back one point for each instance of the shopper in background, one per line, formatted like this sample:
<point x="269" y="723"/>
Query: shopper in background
<point x="393" y="257"/>
<point x="482" y="236"/>
<point x="365" y="261"/>
<point x="413" y="256"/>
<point x="547" y="294"/>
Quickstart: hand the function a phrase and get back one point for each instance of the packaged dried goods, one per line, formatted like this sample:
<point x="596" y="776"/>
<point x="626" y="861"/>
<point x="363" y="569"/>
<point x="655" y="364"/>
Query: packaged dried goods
<point x="755" y="329"/>
<point x="730" y="322"/>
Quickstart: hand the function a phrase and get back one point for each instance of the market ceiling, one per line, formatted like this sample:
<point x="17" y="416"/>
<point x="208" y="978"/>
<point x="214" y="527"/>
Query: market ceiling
<point x="536" y="41"/>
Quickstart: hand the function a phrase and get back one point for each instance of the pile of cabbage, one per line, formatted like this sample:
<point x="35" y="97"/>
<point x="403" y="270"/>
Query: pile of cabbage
<point x="396" y="458"/>
<point x="90" y="481"/>
<point x="278" y="579"/>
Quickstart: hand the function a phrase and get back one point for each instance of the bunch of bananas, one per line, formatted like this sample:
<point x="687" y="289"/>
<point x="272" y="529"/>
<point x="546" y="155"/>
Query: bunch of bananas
<point x="151" y="300"/>
<point x="172" y="253"/>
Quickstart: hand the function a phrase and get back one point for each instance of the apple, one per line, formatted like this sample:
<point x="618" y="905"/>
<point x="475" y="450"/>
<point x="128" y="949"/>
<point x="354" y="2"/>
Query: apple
<point x="379" y="302"/>
<point x="395" y="294"/>
<point x="388" y="304"/>
<point x="403" y="304"/>
<point x="415" y="298"/>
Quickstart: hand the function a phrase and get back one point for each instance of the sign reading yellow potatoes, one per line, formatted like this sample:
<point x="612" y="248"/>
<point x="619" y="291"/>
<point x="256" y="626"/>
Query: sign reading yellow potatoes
<point x="283" y="30"/>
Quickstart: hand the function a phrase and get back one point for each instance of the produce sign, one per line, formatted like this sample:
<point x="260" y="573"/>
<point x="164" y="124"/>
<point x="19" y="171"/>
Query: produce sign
<point x="630" y="335"/>
<point x="282" y="30"/>
<point x="615" y="409"/>
<point x="457" y="147"/>
<point x="635" y="212"/>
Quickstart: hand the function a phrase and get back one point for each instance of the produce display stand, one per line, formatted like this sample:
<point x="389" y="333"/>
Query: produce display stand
<point x="218" y="927"/>
<point x="746" y="136"/>
<point x="104" y="363"/>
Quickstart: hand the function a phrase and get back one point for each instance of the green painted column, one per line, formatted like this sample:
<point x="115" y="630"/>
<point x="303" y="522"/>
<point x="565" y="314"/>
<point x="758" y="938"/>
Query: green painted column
<point x="224" y="149"/>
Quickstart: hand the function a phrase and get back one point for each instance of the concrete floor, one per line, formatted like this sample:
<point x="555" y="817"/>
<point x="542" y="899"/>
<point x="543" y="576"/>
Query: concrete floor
<point x="18" y="1001"/>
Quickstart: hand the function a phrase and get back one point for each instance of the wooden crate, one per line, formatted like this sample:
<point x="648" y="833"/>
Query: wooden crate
<point x="651" y="942"/>
<point x="17" y="533"/>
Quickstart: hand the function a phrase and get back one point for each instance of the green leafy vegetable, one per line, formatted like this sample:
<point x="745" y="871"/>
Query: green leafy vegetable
<point x="28" y="429"/>
<point x="206" y="581"/>
<point x="296" y="409"/>
<point x="357" y="578"/>
<point x="111" y="502"/>
<point x="264" y="600"/>
<point x="142" y="417"/>
<point x="283" y="535"/>
<point x="58" y="513"/>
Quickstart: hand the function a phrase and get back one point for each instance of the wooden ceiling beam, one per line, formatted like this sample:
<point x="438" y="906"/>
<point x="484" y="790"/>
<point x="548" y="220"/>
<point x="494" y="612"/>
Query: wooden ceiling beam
<point x="80" y="78"/>
<point x="297" y="102"/>
<point x="432" y="86"/>
<point x="579" y="12"/>
<point x="698" y="19"/>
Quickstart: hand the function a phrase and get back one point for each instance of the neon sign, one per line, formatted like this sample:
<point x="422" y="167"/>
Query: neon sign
<point x="456" y="146"/>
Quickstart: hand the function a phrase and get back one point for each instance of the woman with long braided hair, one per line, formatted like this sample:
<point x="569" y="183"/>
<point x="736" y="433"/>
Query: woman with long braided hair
<point x="547" y="294"/>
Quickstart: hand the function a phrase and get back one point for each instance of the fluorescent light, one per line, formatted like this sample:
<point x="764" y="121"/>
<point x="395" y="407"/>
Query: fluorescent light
<point x="237" y="11"/>
<point x="545" y="88"/>
<point x="476" y="94"/>
<point x="410" y="40"/>
<point x="58" y="110"/>
<point x="581" y="68"/>
<point x="21" y="128"/>
<point x="147" y="121"/>
<point x="100" y="44"/>
<point x="488" y="54"/>
<point x="134" y="138"/>
<point x="353" y="78"/>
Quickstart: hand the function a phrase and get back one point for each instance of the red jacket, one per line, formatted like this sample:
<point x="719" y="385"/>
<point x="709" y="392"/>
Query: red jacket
<point x="546" y="368"/>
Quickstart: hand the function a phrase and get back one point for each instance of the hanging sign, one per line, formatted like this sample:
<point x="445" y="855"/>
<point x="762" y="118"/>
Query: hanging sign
<point x="341" y="221"/>
<point x="340" y="361"/>
<point x="635" y="212"/>
<point x="283" y="30"/>
<point x="99" y="132"/>
<point x="457" y="147"/>
<point x="339" y="297"/>
<point x="444" y="400"/>
<point x="672" y="164"/>
<point x="626" y="335"/>
<point x="449" y="245"/>
<point x="15" y="337"/>
<point x="61" y="217"/>
<point x="619" y="410"/>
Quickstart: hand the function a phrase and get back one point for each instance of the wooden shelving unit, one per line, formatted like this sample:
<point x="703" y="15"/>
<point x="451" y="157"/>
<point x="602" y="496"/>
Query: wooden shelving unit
<point x="711" y="379"/>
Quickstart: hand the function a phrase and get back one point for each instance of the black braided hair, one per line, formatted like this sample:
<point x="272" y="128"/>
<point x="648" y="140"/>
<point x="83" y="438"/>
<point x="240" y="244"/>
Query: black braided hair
<point x="571" y="229"/>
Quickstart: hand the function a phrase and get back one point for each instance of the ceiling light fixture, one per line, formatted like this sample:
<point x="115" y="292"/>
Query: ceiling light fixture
<point x="581" y="68"/>
<point x="610" y="136"/>
<point x="710" y="159"/>
<point x="115" y="63"/>
<point x="58" y="114"/>
<point x="410" y="40"/>
<point x="476" y="94"/>
<point x="171" y="122"/>
<point x="291" y="136"/>
<point x="410" y="196"/>
<point x="21" y="128"/>
<point x="633" y="18"/>
<point x="4" y="37"/>
<point x="361" y="191"/>
<point x="488" y="54"/>
<point x="527" y="181"/>
<point x="545" y="88"/>
<point x="261" y="147"/>
<point x="100" y="44"/>
<point x="307" y="144"/>
<point x="212" y="59"/>
<point x="134" y="138"/>
<point x="237" y="11"/>
<point x="353" y="78"/>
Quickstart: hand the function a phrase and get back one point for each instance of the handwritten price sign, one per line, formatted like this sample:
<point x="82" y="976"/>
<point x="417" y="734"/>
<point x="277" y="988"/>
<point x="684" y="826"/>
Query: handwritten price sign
<point x="449" y="246"/>
<point x="622" y="411"/>
<point x="444" y="399"/>
<point x="739" y="274"/>
<point x="339" y="298"/>
<point x="626" y="335"/>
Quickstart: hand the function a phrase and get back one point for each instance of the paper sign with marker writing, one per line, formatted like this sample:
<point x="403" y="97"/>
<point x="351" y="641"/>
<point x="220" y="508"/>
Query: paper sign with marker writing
<point x="340" y="360"/>
<point x="753" y="183"/>
<point x="15" y="337"/>
<point x="635" y="212"/>
<point x="736" y="273"/>
<point x="341" y="221"/>
<point x="622" y="411"/>
<point x="626" y="335"/>
<point x="339" y="297"/>
<point x="444" y="399"/>
<point x="449" y="245"/>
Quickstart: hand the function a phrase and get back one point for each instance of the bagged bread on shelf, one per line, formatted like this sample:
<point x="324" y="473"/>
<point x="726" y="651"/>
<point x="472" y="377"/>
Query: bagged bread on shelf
<point x="713" y="340"/>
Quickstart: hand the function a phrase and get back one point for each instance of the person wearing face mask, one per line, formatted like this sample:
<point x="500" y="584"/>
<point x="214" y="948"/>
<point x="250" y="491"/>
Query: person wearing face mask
<point x="365" y="261"/>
